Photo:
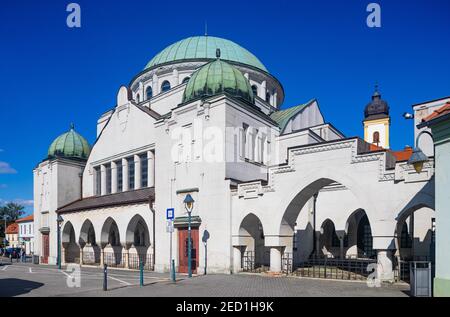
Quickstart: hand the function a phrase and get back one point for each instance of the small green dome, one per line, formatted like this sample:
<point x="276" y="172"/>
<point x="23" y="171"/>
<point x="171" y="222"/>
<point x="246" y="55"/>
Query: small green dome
<point x="204" y="48"/>
<point x="69" y="145"/>
<point x="218" y="77"/>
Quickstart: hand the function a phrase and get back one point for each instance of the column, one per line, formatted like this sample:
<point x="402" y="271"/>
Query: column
<point x="341" y="246"/>
<point x="141" y="91"/>
<point x="176" y="78"/>
<point x="102" y="257"/>
<point x="113" y="177"/>
<point x="263" y="90"/>
<point x="103" y="182"/>
<point x="317" y="233"/>
<point x="385" y="269"/>
<point x="81" y="256"/>
<point x="127" y="257"/>
<point x="275" y="259"/>
<point x="63" y="256"/>
<point x="125" y="184"/>
<point x="151" y="169"/>
<point x="155" y="85"/>
<point x="237" y="259"/>
<point x="137" y="172"/>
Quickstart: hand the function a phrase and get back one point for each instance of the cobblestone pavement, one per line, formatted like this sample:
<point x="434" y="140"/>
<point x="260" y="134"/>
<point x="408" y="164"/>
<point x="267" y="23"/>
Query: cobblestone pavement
<point x="242" y="285"/>
<point x="35" y="280"/>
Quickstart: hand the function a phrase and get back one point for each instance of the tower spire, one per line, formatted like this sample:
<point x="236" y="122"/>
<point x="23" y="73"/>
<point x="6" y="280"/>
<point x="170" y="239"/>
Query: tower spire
<point x="206" y="28"/>
<point x="376" y="92"/>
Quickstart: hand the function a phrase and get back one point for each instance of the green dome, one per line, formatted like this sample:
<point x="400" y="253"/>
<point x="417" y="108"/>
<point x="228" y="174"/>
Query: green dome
<point x="69" y="145"/>
<point x="204" y="47"/>
<point x="215" y="78"/>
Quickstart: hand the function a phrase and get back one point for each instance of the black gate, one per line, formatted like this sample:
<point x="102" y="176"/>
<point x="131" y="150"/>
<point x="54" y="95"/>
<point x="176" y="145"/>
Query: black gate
<point x="248" y="261"/>
<point x="287" y="263"/>
<point x="336" y="269"/>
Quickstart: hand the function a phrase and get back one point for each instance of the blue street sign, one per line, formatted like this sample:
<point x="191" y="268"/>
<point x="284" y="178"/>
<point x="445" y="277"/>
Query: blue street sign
<point x="170" y="213"/>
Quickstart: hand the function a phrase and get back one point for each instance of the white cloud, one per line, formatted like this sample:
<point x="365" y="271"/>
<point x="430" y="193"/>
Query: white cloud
<point x="5" y="168"/>
<point x="19" y="201"/>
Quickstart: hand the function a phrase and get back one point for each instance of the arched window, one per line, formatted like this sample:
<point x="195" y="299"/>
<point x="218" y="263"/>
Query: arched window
<point x="149" y="92"/>
<point x="165" y="86"/>
<point x="267" y="96"/>
<point x="255" y="90"/>
<point x="138" y="98"/>
<point x="376" y="137"/>
<point x="185" y="80"/>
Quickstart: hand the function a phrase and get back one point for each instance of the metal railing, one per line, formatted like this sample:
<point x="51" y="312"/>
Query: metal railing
<point x="135" y="260"/>
<point x="249" y="264"/>
<point x="91" y="258"/>
<point x="113" y="259"/>
<point x="336" y="269"/>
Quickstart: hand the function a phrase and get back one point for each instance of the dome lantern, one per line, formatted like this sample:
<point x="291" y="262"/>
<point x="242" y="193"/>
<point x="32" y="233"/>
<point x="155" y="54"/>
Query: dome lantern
<point x="377" y="108"/>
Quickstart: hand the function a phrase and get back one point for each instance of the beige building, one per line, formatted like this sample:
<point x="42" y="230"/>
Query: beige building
<point x="12" y="235"/>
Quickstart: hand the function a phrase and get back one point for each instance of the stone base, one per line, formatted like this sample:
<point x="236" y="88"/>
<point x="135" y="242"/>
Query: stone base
<point x="441" y="287"/>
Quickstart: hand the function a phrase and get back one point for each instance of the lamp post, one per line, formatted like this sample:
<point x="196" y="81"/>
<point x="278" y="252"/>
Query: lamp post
<point x="189" y="205"/>
<point x="5" y="217"/>
<point x="59" y="221"/>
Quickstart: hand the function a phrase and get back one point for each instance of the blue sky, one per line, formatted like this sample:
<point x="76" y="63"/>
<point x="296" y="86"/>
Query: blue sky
<point x="52" y="75"/>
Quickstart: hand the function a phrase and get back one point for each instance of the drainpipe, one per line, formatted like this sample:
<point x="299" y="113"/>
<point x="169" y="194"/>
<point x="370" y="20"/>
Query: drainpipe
<point x="150" y="203"/>
<point x="314" y="223"/>
<point x="80" y="175"/>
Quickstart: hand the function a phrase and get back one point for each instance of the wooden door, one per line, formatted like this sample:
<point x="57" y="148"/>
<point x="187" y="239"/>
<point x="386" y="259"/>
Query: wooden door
<point x="183" y="250"/>
<point x="46" y="248"/>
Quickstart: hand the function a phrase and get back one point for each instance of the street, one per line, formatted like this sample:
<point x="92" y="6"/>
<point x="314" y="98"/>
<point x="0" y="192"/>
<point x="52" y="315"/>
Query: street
<point x="27" y="279"/>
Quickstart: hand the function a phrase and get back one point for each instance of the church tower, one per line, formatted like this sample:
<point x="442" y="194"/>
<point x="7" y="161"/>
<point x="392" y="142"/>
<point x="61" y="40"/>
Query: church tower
<point x="57" y="182"/>
<point x="377" y="121"/>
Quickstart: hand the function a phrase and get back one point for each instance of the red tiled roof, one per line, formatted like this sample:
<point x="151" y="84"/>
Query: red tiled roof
<point x="403" y="155"/>
<point x="12" y="228"/>
<point x="374" y="148"/>
<point x="25" y="219"/>
<point x="445" y="109"/>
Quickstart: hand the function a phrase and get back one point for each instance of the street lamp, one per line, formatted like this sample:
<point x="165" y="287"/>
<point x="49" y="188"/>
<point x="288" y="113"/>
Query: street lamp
<point x="189" y="205"/>
<point x="418" y="158"/>
<point x="59" y="221"/>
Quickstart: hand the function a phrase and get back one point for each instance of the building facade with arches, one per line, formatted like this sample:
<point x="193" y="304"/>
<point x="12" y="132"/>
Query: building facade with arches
<point x="205" y="118"/>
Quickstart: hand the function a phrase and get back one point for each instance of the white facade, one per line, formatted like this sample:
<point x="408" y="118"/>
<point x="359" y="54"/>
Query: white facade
<point x="423" y="135"/>
<point x="252" y="180"/>
<point x="26" y="236"/>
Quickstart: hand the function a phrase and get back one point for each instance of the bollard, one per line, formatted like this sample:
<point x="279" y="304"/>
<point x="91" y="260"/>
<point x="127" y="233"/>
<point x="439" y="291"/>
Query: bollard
<point x="173" y="271"/>
<point x="105" y="277"/>
<point x="141" y="274"/>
